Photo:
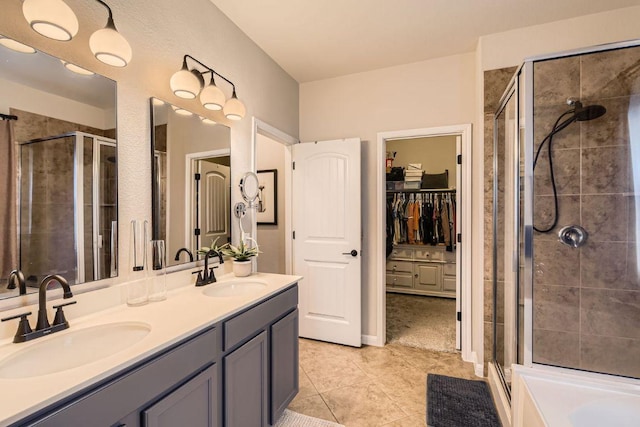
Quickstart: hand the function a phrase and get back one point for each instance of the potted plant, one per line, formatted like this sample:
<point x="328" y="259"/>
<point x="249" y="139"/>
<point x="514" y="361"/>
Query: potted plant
<point x="241" y="255"/>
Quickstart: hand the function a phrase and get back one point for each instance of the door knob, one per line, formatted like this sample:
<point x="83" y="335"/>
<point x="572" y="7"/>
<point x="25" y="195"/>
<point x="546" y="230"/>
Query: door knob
<point x="352" y="253"/>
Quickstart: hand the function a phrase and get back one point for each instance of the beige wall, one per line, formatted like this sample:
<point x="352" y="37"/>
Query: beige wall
<point x="270" y="155"/>
<point x="424" y="94"/>
<point x="160" y="33"/>
<point x="436" y="154"/>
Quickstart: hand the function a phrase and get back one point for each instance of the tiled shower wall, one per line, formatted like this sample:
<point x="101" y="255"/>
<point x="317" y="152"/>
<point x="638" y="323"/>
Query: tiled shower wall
<point x="587" y="300"/>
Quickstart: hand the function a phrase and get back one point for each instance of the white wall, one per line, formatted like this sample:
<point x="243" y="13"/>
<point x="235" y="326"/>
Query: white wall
<point x="270" y="155"/>
<point x="424" y="94"/>
<point x="160" y="33"/>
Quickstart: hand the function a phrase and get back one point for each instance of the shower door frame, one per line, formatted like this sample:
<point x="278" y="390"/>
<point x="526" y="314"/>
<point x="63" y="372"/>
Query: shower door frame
<point x="512" y="92"/>
<point x="79" y="228"/>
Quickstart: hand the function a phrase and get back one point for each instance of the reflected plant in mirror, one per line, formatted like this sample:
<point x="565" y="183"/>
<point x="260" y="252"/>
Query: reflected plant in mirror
<point x="191" y="185"/>
<point x="59" y="213"/>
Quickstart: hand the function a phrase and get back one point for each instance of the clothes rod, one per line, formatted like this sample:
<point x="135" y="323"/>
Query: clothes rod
<point x="8" y="117"/>
<point x="424" y="190"/>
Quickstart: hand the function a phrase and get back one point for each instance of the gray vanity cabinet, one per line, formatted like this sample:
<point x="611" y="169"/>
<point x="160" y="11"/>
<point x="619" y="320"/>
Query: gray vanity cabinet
<point x="246" y="377"/>
<point x="261" y="361"/>
<point x="168" y="379"/>
<point x="240" y="372"/>
<point x="192" y="401"/>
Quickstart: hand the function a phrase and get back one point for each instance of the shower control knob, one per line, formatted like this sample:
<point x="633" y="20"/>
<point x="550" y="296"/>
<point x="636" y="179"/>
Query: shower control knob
<point x="573" y="235"/>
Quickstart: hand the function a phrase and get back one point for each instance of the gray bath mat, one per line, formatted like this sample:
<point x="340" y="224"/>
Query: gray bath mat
<point x="294" y="419"/>
<point x="456" y="402"/>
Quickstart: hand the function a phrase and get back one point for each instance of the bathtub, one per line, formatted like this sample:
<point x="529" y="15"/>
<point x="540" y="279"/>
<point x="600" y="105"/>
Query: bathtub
<point x="553" y="397"/>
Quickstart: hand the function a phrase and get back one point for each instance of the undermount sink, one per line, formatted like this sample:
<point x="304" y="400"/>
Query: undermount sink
<point x="234" y="289"/>
<point x="72" y="348"/>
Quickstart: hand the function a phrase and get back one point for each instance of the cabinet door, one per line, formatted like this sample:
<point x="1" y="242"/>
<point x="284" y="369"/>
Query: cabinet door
<point x="194" y="401"/>
<point x="284" y="364"/>
<point x="428" y="277"/>
<point x="245" y="384"/>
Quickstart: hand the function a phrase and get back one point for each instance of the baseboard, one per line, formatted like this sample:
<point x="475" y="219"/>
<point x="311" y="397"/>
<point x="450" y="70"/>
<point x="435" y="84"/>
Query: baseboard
<point x="372" y="340"/>
<point x="478" y="368"/>
<point x="499" y="396"/>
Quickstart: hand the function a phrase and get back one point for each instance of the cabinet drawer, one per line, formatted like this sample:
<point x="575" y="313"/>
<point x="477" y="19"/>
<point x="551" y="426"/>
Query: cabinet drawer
<point x="245" y="325"/>
<point x="449" y="270"/>
<point x="400" y="253"/>
<point x="399" y="266"/>
<point x="449" y="284"/>
<point x="428" y="254"/>
<point x="400" y="280"/>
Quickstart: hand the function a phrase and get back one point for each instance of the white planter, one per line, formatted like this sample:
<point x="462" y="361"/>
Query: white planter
<point x="241" y="268"/>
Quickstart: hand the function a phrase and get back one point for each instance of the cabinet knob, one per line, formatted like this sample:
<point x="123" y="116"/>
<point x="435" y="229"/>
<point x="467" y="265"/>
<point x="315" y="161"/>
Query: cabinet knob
<point x="416" y="275"/>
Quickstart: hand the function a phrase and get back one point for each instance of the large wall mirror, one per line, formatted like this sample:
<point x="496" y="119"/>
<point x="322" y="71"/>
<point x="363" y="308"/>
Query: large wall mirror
<point x="59" y="181"/>
<point x="190" y="181"/>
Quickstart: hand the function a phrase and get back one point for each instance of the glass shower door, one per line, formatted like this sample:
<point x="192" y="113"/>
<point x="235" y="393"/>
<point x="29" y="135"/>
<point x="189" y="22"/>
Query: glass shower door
<point x="506" y="237"/>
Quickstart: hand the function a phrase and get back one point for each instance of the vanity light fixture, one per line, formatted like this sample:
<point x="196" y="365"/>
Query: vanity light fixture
<point x="51" y="18"/>
<point x="188" y="83"/>
<point x="16" y="46"/>
<point x="55" y="19"/>
<point x="108" y="45"/>
<point x="76" y="69"/>
<point x="181" y="111"/>
<point x="207" y="121"/>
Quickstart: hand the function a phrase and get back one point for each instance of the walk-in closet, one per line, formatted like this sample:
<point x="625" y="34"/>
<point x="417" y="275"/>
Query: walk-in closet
<point x="421" y="239"/>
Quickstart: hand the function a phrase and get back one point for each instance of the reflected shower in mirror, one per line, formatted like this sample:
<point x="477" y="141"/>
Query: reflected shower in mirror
<point x="59" y="183"/>
<point x="191" y="184"/>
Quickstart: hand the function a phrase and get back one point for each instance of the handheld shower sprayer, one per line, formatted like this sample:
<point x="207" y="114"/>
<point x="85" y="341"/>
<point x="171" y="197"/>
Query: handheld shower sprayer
<point x="578" y="113"/>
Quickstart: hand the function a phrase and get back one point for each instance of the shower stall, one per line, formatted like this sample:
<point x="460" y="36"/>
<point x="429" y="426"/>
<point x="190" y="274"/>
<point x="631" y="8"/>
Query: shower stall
<point x="566" y="214"/>
<point x="68" y="208"/>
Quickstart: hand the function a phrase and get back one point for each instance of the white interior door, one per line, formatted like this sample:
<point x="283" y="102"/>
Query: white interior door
<point x="214" y="204"/>
<point x="327" y="239"/>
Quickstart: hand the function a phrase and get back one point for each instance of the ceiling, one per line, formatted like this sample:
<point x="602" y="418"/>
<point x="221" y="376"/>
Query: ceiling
<point x="318" y="39"/>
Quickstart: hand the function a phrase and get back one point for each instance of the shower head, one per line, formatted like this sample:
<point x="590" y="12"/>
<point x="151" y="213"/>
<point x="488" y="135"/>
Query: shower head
<point x="590" y="112"/>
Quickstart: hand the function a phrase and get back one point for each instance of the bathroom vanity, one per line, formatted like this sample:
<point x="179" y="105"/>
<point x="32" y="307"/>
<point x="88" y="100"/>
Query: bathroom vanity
<point x="238" y="368"/>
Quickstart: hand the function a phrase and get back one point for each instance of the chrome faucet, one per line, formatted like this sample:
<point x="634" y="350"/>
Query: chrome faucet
<point x="177" y="258"/>
<point x="17" y="276"/>
<point x="43" y="321"/>
<point x="25" y="333"/>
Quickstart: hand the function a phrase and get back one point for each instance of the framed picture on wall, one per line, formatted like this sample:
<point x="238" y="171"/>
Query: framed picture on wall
<point x="267" y="207"/>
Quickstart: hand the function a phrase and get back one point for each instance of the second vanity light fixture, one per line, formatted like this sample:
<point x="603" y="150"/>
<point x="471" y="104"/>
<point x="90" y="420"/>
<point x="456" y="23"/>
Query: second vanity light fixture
<point x="188" y="83"/>
<point x="55" y="19"/>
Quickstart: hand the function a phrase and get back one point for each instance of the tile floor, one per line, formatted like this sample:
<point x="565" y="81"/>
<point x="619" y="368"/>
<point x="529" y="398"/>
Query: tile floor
<point x="370" y="386"/>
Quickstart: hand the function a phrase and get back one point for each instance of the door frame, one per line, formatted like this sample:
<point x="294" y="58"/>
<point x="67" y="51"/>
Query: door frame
<point x="464" y="130"/>
<point x="260" y="127"/>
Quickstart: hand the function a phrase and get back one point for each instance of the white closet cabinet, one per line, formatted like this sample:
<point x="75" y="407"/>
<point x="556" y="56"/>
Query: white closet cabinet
<point x="422" y="270"/>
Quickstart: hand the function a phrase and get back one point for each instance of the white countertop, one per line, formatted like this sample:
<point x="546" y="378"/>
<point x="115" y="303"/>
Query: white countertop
<point x="185" y="312"/>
